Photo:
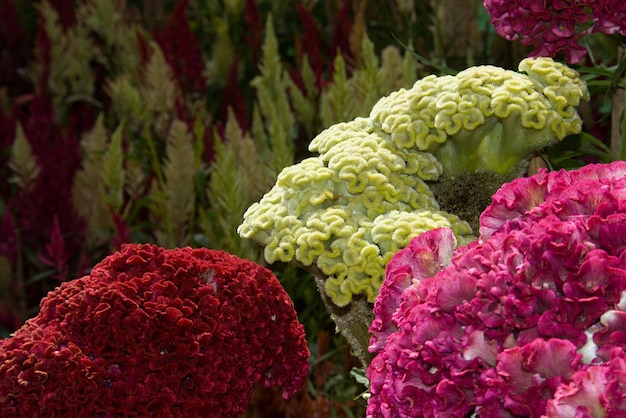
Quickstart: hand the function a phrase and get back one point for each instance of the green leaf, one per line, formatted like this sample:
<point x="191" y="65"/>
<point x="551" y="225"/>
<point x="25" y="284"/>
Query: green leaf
<point x="572" y="151"/>
<point x="40" y="276"/>
<point x="360" y="376"/>
<point x="618" y="79"/>
<point x="202" y="240"/>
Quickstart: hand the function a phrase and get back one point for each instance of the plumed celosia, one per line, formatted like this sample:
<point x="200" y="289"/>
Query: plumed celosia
<point x="556" y="26"/>
<point x="527" y="321"/>
<point x="370" y="190"/>
<point x="153" y="332"/>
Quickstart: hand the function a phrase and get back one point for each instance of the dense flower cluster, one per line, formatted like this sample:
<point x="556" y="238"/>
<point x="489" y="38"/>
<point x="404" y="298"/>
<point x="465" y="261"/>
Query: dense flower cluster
<point x="527" y="321"/>
<point x="555" y="26"/>
<point x="371" y="188"/>
<point x="154" y="332"/>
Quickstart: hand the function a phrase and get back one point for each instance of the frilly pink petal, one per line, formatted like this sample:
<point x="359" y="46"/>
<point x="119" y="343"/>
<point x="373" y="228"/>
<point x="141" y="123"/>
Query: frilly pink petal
<point x="424" y="257"/>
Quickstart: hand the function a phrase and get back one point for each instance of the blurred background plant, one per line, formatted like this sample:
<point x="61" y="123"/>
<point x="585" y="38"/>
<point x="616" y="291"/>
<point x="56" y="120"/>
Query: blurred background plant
<point x="162" y="121"/>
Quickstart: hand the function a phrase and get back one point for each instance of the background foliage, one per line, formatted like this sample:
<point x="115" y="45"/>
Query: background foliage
<point x="162" y="121"/>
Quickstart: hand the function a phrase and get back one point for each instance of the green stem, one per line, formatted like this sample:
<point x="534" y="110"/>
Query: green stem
<point x="22" y="308"/>
<point x="618" y="117"/>
<point x="618" y="134"/>
<point x="352" y="322"/>
<point x="623" y="126"/>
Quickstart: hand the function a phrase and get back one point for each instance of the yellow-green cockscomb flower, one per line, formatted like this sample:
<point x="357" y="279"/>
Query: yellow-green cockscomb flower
<point x="485" y="118"/>
<point x="370" y="189"/>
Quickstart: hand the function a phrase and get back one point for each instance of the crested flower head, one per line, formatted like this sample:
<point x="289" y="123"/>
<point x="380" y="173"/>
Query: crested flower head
<point x="183" y="331"/>
<point x="526" y="321"/>
<point x="350" y="209"/>
<point x="378" y="181"/>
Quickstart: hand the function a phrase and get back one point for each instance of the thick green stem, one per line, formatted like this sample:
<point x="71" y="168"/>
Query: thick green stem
<point x="618" y="117"/>
<point x="22" y="308"/>
<point x="467" y="194"/>
<point x="352" y="321"/>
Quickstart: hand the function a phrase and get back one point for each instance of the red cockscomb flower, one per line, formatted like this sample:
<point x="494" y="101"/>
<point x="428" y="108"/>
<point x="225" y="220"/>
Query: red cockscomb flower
<point x="155" y="332"/>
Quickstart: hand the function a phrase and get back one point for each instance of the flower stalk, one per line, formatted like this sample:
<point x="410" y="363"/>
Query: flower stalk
<point x="618" y="110"/>
<point x="352" y="322"/>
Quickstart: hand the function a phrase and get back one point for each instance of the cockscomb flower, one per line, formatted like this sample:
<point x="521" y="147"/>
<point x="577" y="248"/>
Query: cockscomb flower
<point x="556" y="26"/>
<point x="179" y="333"/>
<point x="349" y="210"/>
<point x="485" y="118"/>
<point x="527" y="321"/>
<point x="377" y="181"/>
<point x="427" y="157"/>
<point x="594" y="392"/>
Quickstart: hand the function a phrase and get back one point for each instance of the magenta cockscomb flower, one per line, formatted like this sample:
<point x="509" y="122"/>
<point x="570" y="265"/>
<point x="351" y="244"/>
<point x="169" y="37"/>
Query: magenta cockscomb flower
<point x="593" y="392"/>
<point x="154" y="332"/>
<point x="556" y="26"/>
<point x="527" y="321"/>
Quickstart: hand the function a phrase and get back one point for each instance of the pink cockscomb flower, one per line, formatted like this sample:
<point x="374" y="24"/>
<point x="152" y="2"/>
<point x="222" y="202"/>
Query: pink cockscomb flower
<point x="155" y="332"/>
<point x="556" y="26"/>
<point x="527" y="321"/>
<point x="593" y="392"/>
